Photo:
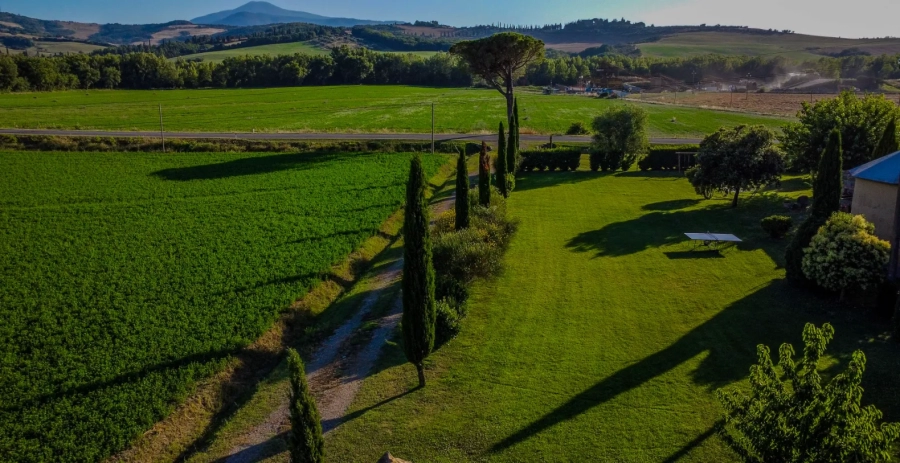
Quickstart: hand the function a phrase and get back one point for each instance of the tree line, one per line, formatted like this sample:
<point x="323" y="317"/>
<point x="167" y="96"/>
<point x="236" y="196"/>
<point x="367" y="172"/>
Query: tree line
<point x="147" y="71"/>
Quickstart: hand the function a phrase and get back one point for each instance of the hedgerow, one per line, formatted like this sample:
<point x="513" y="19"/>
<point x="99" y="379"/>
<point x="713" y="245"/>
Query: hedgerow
<point x="126" y="278"/>
<point x="665" y="157"/>
<point x="550" y="159"/>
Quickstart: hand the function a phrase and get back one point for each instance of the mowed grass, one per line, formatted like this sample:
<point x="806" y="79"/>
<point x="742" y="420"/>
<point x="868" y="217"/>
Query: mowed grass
<point x="126" y="278"/>
<point x="605" y="337"/>
<point x="339" y="109"/>
<point x="792" y="46"/>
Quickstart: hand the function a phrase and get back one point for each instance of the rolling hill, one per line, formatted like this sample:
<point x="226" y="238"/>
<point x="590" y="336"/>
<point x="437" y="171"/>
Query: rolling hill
<point x="260" y="13"/>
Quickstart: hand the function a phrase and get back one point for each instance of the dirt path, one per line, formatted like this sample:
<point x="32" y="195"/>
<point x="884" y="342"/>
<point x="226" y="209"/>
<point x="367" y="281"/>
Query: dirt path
<point x="339" y="366"/>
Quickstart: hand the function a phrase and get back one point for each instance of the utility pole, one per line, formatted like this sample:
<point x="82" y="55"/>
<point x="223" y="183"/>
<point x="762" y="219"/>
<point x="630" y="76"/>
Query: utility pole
<point x="162" y="134"/>
<point x="432" y="128"/>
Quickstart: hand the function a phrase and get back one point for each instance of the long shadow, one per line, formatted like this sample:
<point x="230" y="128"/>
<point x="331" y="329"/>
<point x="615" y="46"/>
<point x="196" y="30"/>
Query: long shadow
<point x="119" y="380"/>
<point x="259" y="452"/>
<point x="665" y="228"/>
<point x="728" y="340"/>
<point x="328" y="425"/>
<point x="526" y="181"/>
<point x="252" y="166"/>
<point x="672" y="205"/>
<point x="684" y="451"/>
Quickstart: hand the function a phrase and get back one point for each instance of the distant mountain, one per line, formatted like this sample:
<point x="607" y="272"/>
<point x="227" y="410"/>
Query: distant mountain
<point x="262" y="13"/>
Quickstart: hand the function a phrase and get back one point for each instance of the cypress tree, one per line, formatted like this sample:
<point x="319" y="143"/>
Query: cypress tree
<point x="418" y="273"/>
<point x="513" y="153"/>
<point x="500" y="163"/>
<point x="484" y="177"/>
<point x="306" y="442"/>
<point x="888" y="143"/>
<point x="462" y="193"/>
<point x="827" y="189"/>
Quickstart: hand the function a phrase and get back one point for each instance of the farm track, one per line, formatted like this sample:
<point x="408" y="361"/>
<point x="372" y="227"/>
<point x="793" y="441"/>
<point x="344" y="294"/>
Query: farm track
<point x="337" y="369"/>
<point x="477" y="138"/>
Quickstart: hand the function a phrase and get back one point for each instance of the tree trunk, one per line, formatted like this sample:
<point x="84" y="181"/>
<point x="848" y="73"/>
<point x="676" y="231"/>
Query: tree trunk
<point x="420" y="368"/>
<point x="510" y="100"/>
<point x="737" y="193"/>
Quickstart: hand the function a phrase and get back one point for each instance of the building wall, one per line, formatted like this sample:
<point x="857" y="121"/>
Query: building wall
<point x="877" y="202"/>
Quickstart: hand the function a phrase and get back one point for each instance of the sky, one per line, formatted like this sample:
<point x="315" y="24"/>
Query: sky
<point x="857" y="19"/>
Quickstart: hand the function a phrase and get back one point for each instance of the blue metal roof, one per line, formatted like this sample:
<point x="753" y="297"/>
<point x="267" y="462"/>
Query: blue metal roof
<point x="882" y="170"/>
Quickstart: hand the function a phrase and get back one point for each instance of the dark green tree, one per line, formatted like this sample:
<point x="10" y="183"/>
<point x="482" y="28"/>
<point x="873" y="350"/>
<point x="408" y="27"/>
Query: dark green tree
<point x="888" y="144"/>
<point x="500" y="59"/>
<point x="305" y="440"/>
<point x="733" y="160"/>
<point x="860" y="120"/>
<point x="512" y="155"/>
<point x="418" y="273"/>
<point x="827" y="189"/>
<point x="500" y="162"/>
<point x="620" y="137"/>
<point x="484" y="177"/>
<point x="462" y="193"/>
<point x="794" y="415"/>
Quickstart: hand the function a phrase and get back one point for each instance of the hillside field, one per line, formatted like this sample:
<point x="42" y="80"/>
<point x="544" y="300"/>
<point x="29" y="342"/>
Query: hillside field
<point x="359" y="109"/>
<point x="793" y="46"/>
<point x="54" y="48"/>
<point x="304" y="48"/>
<point x="606" y="336"/>
<point x="129" y="277"/>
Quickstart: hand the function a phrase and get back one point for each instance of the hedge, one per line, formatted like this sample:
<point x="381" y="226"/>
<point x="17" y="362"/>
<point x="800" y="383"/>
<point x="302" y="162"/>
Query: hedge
<point x="550" y="159"/>
<point x="665" y="157"/>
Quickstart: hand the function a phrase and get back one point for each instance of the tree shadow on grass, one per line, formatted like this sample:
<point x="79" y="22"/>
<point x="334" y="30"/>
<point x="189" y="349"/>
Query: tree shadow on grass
<point x="259" y="452"/>
<point x="662" y="228"/>
<point x="252" y="166"/>
<point x="672" y="205"/>
<point x="526" y="181"/>
<point x="728" y="341"/>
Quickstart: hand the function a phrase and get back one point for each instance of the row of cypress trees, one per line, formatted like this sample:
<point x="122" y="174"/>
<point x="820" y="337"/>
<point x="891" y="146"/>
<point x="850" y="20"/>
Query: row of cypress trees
<point x="507" y="154"/>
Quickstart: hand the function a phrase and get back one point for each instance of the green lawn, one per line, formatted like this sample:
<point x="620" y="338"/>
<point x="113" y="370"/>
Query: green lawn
<point x="128" y="277"/>
<point x="338" y="109"/>
<point x="605" y="337"/>
<point x="797" y="47"/>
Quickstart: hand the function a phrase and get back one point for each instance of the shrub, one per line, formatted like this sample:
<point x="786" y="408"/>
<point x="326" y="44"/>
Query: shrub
<point x="551" y="159"/>
<point x="448" y="323"/>
<point x="777" y="226"/>
<point x="577" y="128"/>
<point x="666" y="157"/>
<point x="305" y="440"/>
<point x="794" y="415"/>
<point x="846" y="254"/>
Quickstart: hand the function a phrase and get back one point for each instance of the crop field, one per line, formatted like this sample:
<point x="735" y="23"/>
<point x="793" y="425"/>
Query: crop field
<point x="776" y="104"/>
<point x="53" y="48"/>
<point x="797" y="47"/>
<point x="360" y="109"/>
<point x="126" y="278"/>
<point x="606" y="336"/>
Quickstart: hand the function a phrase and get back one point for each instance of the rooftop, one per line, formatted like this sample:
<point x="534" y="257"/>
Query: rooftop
<point x="882" y="170"/>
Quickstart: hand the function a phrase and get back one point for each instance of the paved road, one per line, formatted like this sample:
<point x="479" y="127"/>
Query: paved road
<point x="322" y="136"/>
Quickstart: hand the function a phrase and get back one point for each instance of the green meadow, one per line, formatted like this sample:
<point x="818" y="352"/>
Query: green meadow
<point x="607" y="335"/>
<point x="359" y="109"/>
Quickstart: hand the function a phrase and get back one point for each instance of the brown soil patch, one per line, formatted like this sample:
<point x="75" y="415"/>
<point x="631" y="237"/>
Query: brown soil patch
<point x="82" y="31"/>
<point x="10" y="25"/>
<point x="778" y="104"/>
<point x="173" y="32"/>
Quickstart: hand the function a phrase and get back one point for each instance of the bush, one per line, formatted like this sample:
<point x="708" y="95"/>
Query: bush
<point x="550" y="159"/>
<point x="448" y="323"/>
<point x="666" y="157"/>
<point x="777" y="225"/>
<point x="845" y="254"/>
<point x="620" y="136"/>
<point x="577" y="128"/>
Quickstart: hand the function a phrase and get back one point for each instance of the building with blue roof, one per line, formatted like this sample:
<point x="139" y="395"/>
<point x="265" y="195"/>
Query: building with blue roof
<point x="875" y="193"/>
